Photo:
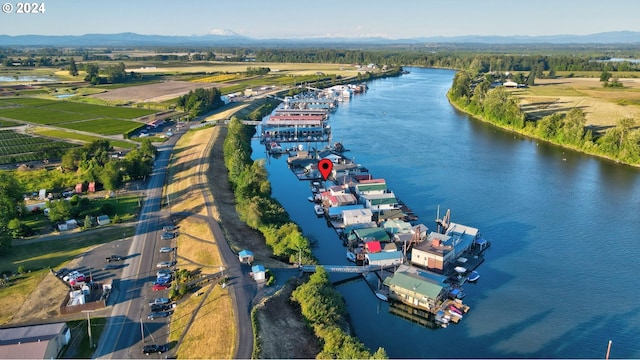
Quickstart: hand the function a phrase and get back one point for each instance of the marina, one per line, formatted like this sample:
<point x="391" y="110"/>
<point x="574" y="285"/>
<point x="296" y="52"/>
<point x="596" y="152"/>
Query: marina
<point x="538" y="211"/>
<point x="379" y="231"/>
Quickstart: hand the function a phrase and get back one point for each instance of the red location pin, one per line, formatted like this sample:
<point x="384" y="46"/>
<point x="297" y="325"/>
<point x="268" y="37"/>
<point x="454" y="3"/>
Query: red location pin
<point x="325" y="166"/>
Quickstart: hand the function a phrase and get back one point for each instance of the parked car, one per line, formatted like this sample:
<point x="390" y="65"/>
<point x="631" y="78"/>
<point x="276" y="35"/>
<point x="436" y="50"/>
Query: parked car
<point x="163" y="276"/>
<point x="159" y="287"/>
<point x="74" y="275"/>
<point x="164" y="281"/>
<point x="154" y="348"/>
<point x="161" y="307"/>
<point x="166" y="249"/>
<point x="165" y="264"/>
<point x="158" y="314"/>
<point x="169" y="228"/>
<point x="164" y="272"/>
<point x="62" y="272"/>
<point x="168" y="235"/>
<point x="159" y="301"/>
<point x="114" y="258"/>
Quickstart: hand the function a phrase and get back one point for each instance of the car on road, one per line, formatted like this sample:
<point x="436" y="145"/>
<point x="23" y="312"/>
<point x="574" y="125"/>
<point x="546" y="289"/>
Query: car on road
<point x="159" y="301"/>
<point x="158" y="314"/>
<point x="168" y="235"/>
<point x="154" y="348"/>
<point x="114" y="258"/>
<point x="158" y="287"/>
<point x="166" y="249"/>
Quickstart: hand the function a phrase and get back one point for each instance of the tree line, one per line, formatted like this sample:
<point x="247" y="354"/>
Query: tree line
<point x="324" y="308"/>
<point x="252" y="189"/>
<point x="200" y="101"/>
<point x="475" y="95"/>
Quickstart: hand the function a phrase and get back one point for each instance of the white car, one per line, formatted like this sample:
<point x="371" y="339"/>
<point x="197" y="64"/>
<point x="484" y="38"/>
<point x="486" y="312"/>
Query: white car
<point x="72" y="275"/>
<point x="165" y="264"/>
<point x="166" y="249"/>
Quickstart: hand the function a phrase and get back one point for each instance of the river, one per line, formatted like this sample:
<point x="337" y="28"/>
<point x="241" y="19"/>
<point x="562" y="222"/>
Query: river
<point x="560" y="279"/>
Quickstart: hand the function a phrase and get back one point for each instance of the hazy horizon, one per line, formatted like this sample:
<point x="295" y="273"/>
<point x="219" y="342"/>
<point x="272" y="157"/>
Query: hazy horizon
<point x="289" y="19"/>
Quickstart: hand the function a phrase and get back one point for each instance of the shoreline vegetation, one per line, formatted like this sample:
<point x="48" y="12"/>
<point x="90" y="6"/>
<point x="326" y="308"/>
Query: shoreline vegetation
<point x="477" y="97"/>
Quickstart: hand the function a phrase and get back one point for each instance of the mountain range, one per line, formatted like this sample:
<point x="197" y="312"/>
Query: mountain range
<point x="226" y="37"/>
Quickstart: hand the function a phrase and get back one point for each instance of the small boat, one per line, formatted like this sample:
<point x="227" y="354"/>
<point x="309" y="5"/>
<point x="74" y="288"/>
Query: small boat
<point x="310" y="198"/>
<point x="455" y="310"/>
<point x="460" y="269"/>
<point x="381" y="296"/>
<point x="473" y="276"/>
<point x="319" y="210"/>
<point x="453" y="313"/>
<point x="351" y="256"/>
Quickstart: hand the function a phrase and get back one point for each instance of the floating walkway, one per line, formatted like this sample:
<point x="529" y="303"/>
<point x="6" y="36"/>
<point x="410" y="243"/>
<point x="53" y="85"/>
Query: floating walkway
<point x="354" y="269"/>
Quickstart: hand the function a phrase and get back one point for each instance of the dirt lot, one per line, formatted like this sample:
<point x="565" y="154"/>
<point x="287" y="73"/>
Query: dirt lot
<point x="603" y="107"/>
<point x="152" y="92"/>
<point x="282" y="333"/>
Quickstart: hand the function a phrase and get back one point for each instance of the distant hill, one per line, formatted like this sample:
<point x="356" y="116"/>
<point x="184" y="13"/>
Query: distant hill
<point x="229" y="38"/>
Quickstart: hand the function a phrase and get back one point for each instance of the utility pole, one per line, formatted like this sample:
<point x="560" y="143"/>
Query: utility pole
<point x="89" y="327"/>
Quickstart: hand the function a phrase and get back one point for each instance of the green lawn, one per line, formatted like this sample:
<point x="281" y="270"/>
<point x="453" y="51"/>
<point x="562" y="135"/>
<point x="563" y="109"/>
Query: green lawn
<point x="104" y="126"/>
<point x="42" y="115"/>
<point x="53" y="253"/>
<point x="99" y="110"/>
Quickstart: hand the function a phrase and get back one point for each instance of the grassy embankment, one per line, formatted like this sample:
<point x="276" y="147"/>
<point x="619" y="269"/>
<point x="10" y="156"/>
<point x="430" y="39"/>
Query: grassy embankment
<point x="197" y="250"/>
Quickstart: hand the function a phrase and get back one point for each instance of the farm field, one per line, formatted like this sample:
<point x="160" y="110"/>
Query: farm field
<point x="62" y="134"/>
<point x="103" y="126"/>
<point x="603" y="107"/>
<point x="16" y="147"/>
<point x="156" y="92"/>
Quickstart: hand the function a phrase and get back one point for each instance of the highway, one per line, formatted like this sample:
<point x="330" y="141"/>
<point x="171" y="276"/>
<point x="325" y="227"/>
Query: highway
<point x="122" y="335"/>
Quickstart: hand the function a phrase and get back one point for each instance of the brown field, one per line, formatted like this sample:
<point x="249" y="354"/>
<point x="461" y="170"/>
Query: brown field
<point x="152" y="92"/>
<point x="285" y="68"/>
<point x="603" y="107"/>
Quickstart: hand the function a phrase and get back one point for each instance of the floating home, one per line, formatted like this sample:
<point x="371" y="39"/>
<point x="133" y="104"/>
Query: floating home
<point x="440" y="251"/>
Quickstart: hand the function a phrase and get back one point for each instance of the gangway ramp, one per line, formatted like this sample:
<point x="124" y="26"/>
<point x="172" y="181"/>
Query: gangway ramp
<point x="354" y="269"/>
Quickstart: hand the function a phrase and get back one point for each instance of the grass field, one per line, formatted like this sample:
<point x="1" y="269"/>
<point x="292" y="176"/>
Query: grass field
<point x="62" y="134"/>
<point x="230" y="67"/>
<point x="104" y="126"/>
<point x="603" y="107"/>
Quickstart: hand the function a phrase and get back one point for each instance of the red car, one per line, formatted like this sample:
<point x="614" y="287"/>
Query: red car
<point x="158" y="287"/>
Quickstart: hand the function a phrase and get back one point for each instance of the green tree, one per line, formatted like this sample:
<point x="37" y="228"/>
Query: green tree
<point x="605" y="76"/>
<point x="73" y="68"/>
<point x="59" y="210"/>
<point x="573" y="127"/>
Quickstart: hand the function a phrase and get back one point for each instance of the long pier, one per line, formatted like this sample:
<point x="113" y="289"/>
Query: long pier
<point x="354" y="269"/>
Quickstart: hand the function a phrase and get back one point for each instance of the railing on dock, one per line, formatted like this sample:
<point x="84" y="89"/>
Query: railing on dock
<point x="345" y="268"/>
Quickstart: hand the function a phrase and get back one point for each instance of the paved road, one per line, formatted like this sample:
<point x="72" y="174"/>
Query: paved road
<point x="122" y="335"/>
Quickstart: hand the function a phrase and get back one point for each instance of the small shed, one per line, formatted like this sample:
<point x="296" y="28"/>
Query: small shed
<point x="259" y="272"/>
<point x="92" y="187"/>
<point x="78" y="188"/>
<point x="245" y="256"/>
<point x="103" y="220"/>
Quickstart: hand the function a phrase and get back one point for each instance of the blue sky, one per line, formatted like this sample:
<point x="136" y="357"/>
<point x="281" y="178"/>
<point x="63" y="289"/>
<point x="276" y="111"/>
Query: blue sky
<point x="351" y="18"/>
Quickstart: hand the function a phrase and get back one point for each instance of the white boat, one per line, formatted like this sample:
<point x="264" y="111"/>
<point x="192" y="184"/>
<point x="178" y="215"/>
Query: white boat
<point x="381" y="296"/>
<point x="310" y="198"/>
<point x="473" y="276"/>
<point x="318" y="209"/>
<point x="460" y="269"/>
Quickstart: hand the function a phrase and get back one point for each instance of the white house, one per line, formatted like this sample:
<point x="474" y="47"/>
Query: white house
<point x="356" y="216"/>
<point x="259" y="272"/>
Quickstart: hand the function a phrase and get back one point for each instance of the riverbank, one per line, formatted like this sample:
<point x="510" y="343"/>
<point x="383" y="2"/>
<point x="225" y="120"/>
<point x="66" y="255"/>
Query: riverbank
<point x="531" y="136"/>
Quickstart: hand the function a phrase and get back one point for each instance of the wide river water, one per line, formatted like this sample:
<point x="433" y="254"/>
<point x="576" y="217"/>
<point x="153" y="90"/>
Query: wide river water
<point x="562" y="276"/>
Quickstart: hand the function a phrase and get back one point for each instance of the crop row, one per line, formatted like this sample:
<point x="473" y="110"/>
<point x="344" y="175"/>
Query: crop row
<point x="41" y="115"/>
<point x="104" y="126"/>
<point x="22" y="141"/>
<point x="218" y="78"/>
<point x="99" y="110"/>
<point x="38" y="147"/>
